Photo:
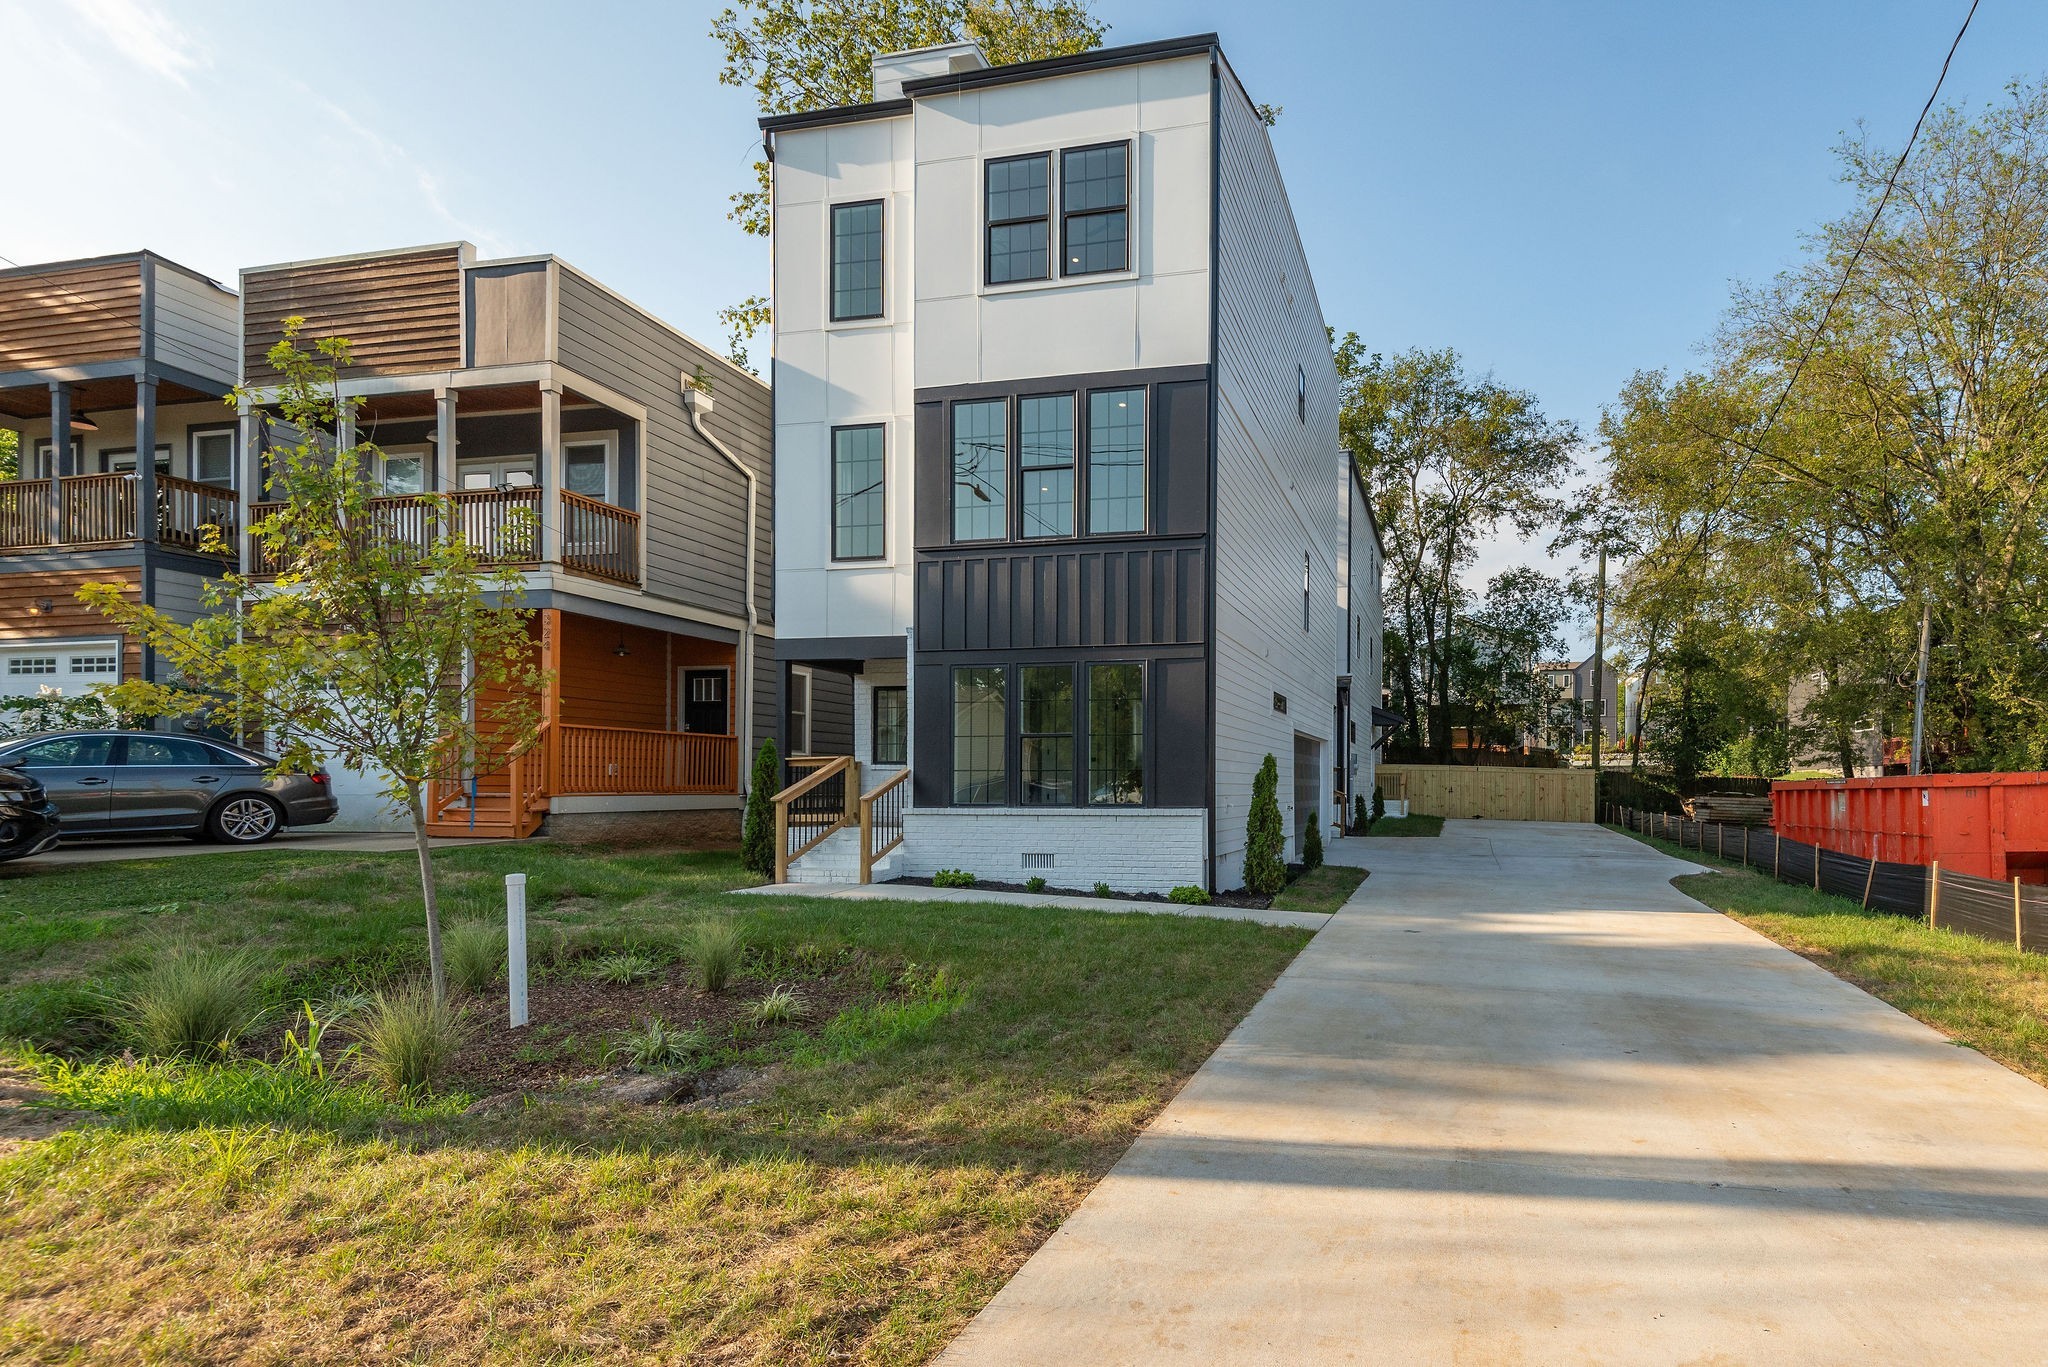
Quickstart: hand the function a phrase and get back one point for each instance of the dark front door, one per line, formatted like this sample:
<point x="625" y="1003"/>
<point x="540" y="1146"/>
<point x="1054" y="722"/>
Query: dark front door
<point x="705" y="707"/>
<point x="78" y="774"/>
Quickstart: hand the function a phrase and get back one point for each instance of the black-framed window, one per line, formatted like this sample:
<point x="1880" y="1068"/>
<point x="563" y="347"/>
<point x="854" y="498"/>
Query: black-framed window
<point x="856" y="261"/>
<point x="981" y="768"/>
<point x="1304" y="590"/>
<point x="981" y="470"/>
<point x="1045" y="460"/>
<point x="859" y="517"/>
<point x="1095" y="203"/>
<point x="1018" y="204"/>
<point x="1301" y="392"/>
<point x="1045" y="734"/>
<point x="1116" y="461"/>
<point x="891" y="714"/>
<point x="1116" y="734"/>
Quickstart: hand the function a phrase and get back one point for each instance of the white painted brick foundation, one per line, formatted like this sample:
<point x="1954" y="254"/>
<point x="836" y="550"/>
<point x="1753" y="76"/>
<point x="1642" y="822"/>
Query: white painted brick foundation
<point x="1138" y="850"/>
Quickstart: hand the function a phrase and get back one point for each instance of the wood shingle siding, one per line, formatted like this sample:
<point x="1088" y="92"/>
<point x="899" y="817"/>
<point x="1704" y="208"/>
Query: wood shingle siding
<point x="71" y="316"/>
<point x="402" y="311"/>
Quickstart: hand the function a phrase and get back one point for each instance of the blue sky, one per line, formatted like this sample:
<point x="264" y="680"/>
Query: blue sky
<point x="1562" y="192"/>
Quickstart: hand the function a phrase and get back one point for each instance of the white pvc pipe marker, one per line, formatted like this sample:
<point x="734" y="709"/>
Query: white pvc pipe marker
<point x="515" y="945"/>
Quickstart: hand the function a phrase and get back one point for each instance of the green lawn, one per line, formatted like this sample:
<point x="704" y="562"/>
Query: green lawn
<point x="881" y="1184"/>
<point x="1988" y="996"/>
<point x="1320" y="890"/>
<point x="1416" y="824"/>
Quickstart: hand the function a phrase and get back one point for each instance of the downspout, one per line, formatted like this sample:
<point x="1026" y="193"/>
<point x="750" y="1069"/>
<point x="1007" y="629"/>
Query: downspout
<point x="697" y="403"/>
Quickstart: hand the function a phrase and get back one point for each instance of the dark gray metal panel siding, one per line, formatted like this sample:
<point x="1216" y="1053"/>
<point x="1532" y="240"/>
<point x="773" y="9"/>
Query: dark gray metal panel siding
<point x="931" y="767"/>
<point x="1181" y="472"/>
<point x="694" y="502"/>
<point x="1180" y="733"/>
<point x="1080" y="596"/>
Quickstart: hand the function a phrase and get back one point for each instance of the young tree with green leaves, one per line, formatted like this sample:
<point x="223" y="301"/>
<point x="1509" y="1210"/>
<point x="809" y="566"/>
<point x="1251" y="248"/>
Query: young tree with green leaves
<point x="800" y="55"/>
<point x="403" y="659"/>
<point x="10" y="454"/>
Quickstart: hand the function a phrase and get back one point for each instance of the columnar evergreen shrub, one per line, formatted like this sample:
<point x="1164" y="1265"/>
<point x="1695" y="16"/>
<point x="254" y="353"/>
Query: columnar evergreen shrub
<point x="1312" y="843"/>
<point x="1361" y="816"/>
<point x="1379" y="804"/>
<point x="1265" y="873"/>
<point x="757" y="835"/>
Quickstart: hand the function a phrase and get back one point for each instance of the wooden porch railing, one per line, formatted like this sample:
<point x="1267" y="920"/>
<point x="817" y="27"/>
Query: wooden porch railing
<point x="599" y="539"/>
<point x="812" y="808"/>
<point x="617" y="759"/>
<point x="95" y="508"/>
<point x="881" y="820"/>
<point x="186" y="509"/>
<point x="24" y="513"/>
<point x="510" y="798"/>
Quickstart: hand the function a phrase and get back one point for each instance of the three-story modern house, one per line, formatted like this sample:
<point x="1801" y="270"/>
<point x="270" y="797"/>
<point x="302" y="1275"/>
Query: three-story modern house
<point x="1056" y="429"/>
<point x="622" y="467"/>
<point x="119" y="354"/>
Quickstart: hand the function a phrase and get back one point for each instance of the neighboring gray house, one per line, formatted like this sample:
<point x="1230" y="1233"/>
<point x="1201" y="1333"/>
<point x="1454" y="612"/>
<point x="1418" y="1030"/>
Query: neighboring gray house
<point x="1574" y="685"/>
<point x="524" y="385"/>
<point x="1056" y="430"/>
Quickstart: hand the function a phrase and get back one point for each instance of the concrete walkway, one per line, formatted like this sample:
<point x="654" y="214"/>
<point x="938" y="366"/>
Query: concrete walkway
<point x="1522" y="1102"/>
<point x="918" y="892"/>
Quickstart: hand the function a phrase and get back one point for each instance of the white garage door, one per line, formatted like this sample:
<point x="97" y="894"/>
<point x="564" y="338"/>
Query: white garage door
<point x="70" y="667"/>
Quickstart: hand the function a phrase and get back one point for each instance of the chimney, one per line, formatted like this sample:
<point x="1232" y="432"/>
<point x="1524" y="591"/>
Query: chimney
<point x="892" y="69"/>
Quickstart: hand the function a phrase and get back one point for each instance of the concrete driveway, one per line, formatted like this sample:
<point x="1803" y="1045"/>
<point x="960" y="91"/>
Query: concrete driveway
<point x="1522" y="1102"/>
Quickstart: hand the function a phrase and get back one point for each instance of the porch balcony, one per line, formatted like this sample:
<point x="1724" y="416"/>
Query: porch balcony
<point x="100" y="510"/>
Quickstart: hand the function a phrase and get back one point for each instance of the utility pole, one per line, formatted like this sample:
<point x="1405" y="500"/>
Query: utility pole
<point x="1600" y="660"/>
<point x="1920" y="692"/>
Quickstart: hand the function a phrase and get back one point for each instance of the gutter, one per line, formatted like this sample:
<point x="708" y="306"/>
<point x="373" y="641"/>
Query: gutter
<point x="697" y="403"/>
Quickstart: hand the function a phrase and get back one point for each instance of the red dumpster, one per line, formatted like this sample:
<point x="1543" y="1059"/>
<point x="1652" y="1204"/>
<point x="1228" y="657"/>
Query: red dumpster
<point x="1990" y="825"/>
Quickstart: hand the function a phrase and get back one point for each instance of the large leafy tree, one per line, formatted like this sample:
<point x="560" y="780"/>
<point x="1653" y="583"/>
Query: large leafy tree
<point x="1450" y="458"/>
<point x="799" y="55"/>
<point x="406" y="658"/>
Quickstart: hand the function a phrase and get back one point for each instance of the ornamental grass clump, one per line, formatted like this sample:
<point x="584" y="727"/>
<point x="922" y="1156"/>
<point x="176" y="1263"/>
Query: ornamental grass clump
<point x="781" y="1006"/>
<point x="408" y="1039"/>
<point x="475" y="951"/>
<point x="190" y="1004"/>
<point x="714" y="949"/>
<point x="658" y="1045"/>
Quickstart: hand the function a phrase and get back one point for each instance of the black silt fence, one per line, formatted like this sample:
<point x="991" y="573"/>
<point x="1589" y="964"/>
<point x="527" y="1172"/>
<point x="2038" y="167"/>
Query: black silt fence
<point x="1900" y="889"/>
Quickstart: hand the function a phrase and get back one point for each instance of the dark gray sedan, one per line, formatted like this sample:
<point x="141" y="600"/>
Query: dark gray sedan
<point x="151" y="783"/>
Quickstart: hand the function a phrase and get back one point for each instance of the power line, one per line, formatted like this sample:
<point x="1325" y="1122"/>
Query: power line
<point x="1891" y="183"/>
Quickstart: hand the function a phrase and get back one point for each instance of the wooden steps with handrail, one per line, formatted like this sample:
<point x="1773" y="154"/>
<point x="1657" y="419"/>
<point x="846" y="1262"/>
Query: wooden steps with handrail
<point x="828" y="799"/>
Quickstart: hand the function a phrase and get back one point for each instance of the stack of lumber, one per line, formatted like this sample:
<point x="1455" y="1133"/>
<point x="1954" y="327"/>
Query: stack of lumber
<point x="1737" y="809"/>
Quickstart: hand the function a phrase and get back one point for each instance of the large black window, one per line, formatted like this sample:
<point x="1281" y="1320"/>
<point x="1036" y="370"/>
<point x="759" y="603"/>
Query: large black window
<point x="1116" y="733"/>
<point x="1045" y="734"/>
<point x="892" y="726"/>
<point x="981" y="471"/>
<point x="1019" y="218"/>
<point x="981" y="771"/>
<point x="1095" y="203"/>
<point x="1116" y="461"/>
<point x="856" y="261"/>
<point x="859" y="531"/>
<point x="1045" y="459"/>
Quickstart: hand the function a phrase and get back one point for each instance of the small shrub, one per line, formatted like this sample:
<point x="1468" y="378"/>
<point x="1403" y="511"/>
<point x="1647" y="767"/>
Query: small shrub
<point x="1189" y="895"/>
<point x="1379" y="805"/>
<point x="714" y="949"/>
<point x="952" y="878"/>
<point x="474" y="952"/>
<point x="1361" y="817"/>
<point x="1035" y="883"/>
<point x="621" y="968"/>
<point x="657" y="1044"/>
<point x="757" y="834"/>
<point x="1312" y="843"/>
<point x="1104" y="890"/>
<point x="782" y="1006"/>
<point x="190" y="1003"/>
<point x="408" y="1039"/>
<point x="1264" y="874"/>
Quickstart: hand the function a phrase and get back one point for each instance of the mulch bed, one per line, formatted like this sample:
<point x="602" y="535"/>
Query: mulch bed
<point x="1240" y="898"/>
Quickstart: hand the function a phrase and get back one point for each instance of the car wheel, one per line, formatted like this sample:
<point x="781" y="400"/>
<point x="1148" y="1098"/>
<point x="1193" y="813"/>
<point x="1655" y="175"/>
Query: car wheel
<point x="245" y="820"/>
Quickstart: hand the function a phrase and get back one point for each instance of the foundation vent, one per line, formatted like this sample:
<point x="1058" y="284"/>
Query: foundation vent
<point x="1038" y="861"/>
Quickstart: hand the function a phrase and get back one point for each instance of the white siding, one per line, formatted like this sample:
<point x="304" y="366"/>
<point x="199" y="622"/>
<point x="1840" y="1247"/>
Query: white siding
<point x="197" y="325"/>
<point x="1274" y="497"/>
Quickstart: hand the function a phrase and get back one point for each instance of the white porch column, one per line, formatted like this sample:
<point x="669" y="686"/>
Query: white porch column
<point x="441" y="477"/>
<point x="551" y="473"/>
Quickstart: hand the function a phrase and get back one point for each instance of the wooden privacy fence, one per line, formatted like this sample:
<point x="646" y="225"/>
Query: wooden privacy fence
<point x="2013" y="913"/>
<point x="1495" y="794"/>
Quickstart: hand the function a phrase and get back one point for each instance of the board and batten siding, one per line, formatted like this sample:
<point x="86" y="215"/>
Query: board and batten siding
<point x="1275" y="499"/>
<point x="401" y="311"/>
<point x="192" y="322"/>
<point x="71" y="315"/>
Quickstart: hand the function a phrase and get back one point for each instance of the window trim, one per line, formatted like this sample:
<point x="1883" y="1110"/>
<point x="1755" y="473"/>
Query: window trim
<point x="1076" y="400"/>
<point x="192" y="436"/>
<point x="1008" y="739"/>
<point x="805" y="673"/>
<point x="832" y="464"/>
<point x="832" y="313"/>
<point x="1084" y="485"/>
<point x="608" y="438"/>
<point x="423" y="454"/>
<point x="42" y="457"/>
<point x="1008" y="531"/>
<point x="1067" y="216"/>
<point x="875" y="692"/>
<point x="167" y="450"/>
<point x="989" y="225"/>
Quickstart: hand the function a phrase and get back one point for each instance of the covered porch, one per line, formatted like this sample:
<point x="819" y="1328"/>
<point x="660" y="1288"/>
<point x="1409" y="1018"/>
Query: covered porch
<point x="632" y="712"/>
